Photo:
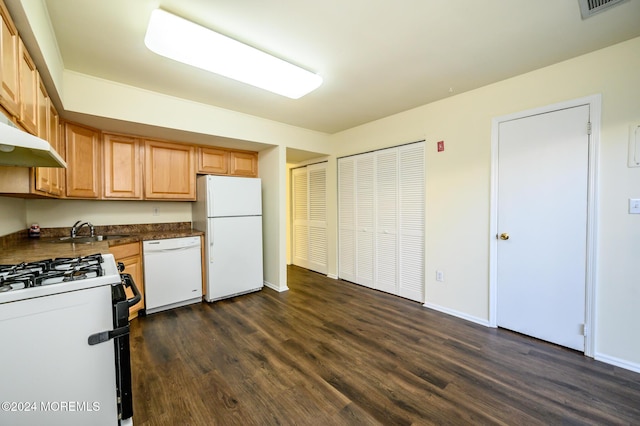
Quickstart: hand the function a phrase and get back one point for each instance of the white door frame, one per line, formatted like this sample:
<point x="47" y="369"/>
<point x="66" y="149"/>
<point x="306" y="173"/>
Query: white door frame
<point x="595" y="108"/>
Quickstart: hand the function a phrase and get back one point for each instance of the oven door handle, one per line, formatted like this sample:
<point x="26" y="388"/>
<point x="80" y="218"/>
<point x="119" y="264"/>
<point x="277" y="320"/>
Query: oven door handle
<point x="127" y="280"/>
<point x="105" y="336"/>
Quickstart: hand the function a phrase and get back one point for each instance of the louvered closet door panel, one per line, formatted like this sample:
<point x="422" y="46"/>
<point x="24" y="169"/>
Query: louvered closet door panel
<point x="411" y="180"/>
<point x="317" y="195"/>
<point x="300" y="218"/>
<point x="365" y="225"/>
<point x="386" y="180"/>
<point x="346" y="219"/>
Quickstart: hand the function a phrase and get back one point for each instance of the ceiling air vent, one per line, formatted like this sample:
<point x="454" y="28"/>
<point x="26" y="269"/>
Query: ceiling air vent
<point x="589" y="8"/>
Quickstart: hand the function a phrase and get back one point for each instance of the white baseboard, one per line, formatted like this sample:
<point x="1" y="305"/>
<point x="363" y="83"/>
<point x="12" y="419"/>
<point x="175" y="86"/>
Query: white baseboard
<point x="332" y="276"/>
<point x="275" y="287"/>
<point x="457" y="314"/>
<point x="622" y="363"/>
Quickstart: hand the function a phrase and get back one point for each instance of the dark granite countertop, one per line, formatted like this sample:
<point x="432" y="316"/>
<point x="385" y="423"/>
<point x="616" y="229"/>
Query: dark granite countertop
<point x="16" y="248"/>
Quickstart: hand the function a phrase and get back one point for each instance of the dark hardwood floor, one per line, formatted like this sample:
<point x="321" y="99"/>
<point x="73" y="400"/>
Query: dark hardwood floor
<point x="333" y="353"/>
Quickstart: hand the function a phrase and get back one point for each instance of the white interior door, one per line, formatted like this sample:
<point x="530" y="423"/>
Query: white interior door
<point x="387" y="220"/>
<point x="346" y="219"/>
<point x="543" y="169"/>
<point x="365" y="225"/>
<point x="300" y="218"/>
<point x="310" y="217"/>
<point x="317" y="196"/>
<point x="411" y="247"/>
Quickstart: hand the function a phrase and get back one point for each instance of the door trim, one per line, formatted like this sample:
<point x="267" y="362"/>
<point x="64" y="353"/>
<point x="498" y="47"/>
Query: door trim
<point x="595" y="108"/>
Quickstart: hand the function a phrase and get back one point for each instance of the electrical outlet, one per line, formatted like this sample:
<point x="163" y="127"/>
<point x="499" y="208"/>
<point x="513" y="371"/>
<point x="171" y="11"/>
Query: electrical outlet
<point x="634" y="205"/>
<point x="156" y="211"/>
<point x="440" y="276"/>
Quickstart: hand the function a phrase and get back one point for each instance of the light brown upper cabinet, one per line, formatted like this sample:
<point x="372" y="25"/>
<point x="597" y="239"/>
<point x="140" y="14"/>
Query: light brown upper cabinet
<point x="213" y="161"/>
<point x="9" y="89"/>
<point x="169" y="171"/>
<point x="57" y="174"/>
<point x="122" y="167"/>
<point x="44" y="175"/>
<point x="243" y="163"/>
<point x="83" y="161"/>
<point x="28" y="91"/>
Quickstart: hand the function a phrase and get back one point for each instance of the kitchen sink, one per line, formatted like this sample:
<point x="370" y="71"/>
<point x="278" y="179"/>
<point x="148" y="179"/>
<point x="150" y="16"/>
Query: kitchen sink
<point x="87" y="239"/>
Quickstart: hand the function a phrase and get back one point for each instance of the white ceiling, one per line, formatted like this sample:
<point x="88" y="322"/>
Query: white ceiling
<point x="377" y="57"/>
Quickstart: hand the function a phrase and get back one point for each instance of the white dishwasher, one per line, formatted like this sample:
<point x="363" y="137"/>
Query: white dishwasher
<point x="172" y="273"/>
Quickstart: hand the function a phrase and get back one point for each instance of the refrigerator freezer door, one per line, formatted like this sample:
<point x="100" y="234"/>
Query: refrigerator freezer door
<point x="234" y="196"/>
<point x="235" y="256"/>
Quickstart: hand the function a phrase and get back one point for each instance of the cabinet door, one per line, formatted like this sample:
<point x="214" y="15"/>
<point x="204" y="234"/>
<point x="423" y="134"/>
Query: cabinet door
<point x="43" y="174"/>
<point x="212" y="160"/>
<point x="56" y="174"/>
<point x="122" y="167"/>
<point x="28" y="91"/>
<point x="170" y="172"/>
<point x="130" y="256"/>
<point x="243" y="163"/>
<point x="9" y="89"/>
<point x="83" y="161"/>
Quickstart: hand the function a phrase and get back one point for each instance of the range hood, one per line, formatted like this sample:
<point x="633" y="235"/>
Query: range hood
<point x="18" y="148"/>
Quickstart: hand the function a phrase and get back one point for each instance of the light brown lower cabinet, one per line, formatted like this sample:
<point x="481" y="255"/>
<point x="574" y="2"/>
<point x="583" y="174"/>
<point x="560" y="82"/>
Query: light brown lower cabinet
<point x="131" y="256"/>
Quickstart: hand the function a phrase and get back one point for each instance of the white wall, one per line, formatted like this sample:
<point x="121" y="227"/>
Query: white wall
<point x="458" y="186"/>
<point x="272" y="171"/>
<point x="13" y="215"/>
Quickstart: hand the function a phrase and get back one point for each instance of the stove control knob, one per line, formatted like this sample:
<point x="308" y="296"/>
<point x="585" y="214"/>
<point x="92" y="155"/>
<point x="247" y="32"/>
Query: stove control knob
<point x="120" y="266"/>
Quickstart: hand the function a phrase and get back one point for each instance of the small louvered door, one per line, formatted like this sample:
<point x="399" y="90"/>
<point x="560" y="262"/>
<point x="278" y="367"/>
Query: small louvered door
<point x="317" y="195"/>
<point x="386" y="180"/>
<point x="346" y="219"/>
<point x="412" y="219"/>
<point x="300" y="217"/>
<point x="365" y="219"/>
<point x="310" y="217"/>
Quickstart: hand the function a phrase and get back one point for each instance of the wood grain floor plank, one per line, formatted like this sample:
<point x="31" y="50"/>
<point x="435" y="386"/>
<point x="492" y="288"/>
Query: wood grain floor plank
<point x="329" y="352"/>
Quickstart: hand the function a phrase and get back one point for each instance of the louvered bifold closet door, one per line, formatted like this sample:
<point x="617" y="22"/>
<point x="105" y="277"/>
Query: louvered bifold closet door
<point x="365" y="225"/>
<point x="346" y="219"/>
<point x="300" y="218"/>
<point x="317" y="196"/>
<point x="386" y="179"/>
<point x="411" y="180"/>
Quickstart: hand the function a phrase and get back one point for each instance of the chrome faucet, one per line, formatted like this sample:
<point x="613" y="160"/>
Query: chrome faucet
<point x="77" y="226"/>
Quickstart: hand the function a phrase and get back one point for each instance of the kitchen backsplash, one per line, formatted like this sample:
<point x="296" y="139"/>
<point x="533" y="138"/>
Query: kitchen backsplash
<point x="9" y="241"/>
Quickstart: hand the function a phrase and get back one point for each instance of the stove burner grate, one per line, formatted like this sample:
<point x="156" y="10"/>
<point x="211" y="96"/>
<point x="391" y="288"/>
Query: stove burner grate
<point x="49" y="271"/>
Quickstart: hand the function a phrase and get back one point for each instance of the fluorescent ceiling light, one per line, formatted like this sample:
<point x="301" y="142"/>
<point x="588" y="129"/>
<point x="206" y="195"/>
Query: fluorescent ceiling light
<point x="181" y="40"/>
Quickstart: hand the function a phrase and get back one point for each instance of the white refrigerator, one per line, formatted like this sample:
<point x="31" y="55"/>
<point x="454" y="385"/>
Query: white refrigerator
<point x="229" y="210"/>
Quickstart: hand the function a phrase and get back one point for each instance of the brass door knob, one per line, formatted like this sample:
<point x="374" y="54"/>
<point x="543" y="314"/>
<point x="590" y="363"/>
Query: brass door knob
<point x="504" y="236"/>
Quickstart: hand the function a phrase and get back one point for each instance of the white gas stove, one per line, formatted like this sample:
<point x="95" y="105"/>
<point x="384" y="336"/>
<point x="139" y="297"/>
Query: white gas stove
<point x="65" y="342"/>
